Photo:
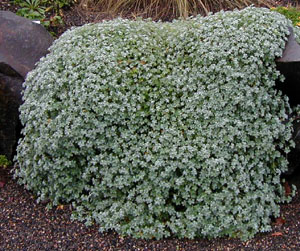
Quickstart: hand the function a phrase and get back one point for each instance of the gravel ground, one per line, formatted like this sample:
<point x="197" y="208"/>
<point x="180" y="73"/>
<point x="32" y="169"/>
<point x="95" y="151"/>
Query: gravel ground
<point x="26" y="225"/>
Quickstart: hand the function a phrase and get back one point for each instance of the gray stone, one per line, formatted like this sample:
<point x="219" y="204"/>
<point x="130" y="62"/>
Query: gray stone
<point x="10" y="100"/>
<point x="294" y="155"/>
<point x="22" y="44"/>
<point x="289" y="66"/>
<point x="291" y="52"/>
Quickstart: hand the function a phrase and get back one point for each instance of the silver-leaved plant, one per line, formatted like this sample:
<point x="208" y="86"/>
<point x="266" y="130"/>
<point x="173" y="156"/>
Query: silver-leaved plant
<point x="159" y="129"/>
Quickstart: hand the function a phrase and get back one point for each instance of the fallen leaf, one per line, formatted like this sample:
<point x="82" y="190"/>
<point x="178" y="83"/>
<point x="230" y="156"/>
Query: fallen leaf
<point x="287" y="188"/>
<point x="60" y="207"/>
<point x="279" y="221"/>
<point x="2" y="184"/>
<point x="48" y="9"/>
<point x="277" y="234"/>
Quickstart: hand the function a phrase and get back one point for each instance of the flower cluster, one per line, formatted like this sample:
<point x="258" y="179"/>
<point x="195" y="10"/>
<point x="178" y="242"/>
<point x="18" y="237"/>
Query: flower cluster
<point x="154" y="129"/>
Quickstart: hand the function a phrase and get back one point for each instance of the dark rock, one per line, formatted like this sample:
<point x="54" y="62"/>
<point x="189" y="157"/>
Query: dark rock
<point x="291" y="52"/>
<point x="10" y="100"/>
<point x="289" y="66"/>
<point x="294" y="155"/>
<point x="22" y="44"/>
<point x="296" y="134"/>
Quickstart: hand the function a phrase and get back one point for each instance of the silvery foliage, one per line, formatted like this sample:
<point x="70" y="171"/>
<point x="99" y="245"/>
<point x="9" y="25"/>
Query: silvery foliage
<point x="155" y="129"/>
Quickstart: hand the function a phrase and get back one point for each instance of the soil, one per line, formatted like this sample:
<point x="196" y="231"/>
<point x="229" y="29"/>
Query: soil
<point x="26" y="225"/>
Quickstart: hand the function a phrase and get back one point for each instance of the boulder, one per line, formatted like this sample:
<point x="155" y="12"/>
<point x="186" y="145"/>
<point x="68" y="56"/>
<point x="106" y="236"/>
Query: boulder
<point x="22" y="44"/>
<point x="294" y="155"/>
<point x="291" y="52"/>
<point x="289" y="66"/>
<point x="10" y="100"/>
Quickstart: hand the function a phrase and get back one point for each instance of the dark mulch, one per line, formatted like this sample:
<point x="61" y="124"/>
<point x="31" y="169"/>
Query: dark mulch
<point x="26" y="225"/>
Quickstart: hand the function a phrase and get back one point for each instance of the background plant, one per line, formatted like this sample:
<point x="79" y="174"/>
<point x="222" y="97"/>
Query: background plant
<point x="166" y="9"/>
<point x="48" y="12"/>
<point x="4" y="162"/>
<point x="156" y="129"/>
<point x="291" y="13"/>
<point x="32" y="9"/>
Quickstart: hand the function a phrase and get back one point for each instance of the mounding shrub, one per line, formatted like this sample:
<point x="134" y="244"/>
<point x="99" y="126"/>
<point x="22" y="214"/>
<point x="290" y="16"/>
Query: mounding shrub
<point x="161" y="129"/>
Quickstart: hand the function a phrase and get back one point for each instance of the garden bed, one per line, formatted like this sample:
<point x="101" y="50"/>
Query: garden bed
<point x="26" y="225"/>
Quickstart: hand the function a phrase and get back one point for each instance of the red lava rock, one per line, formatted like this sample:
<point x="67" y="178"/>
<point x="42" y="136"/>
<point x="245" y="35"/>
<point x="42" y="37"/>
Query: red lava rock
<point x="277" y="234"/>
<point x="279" y="221"/>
